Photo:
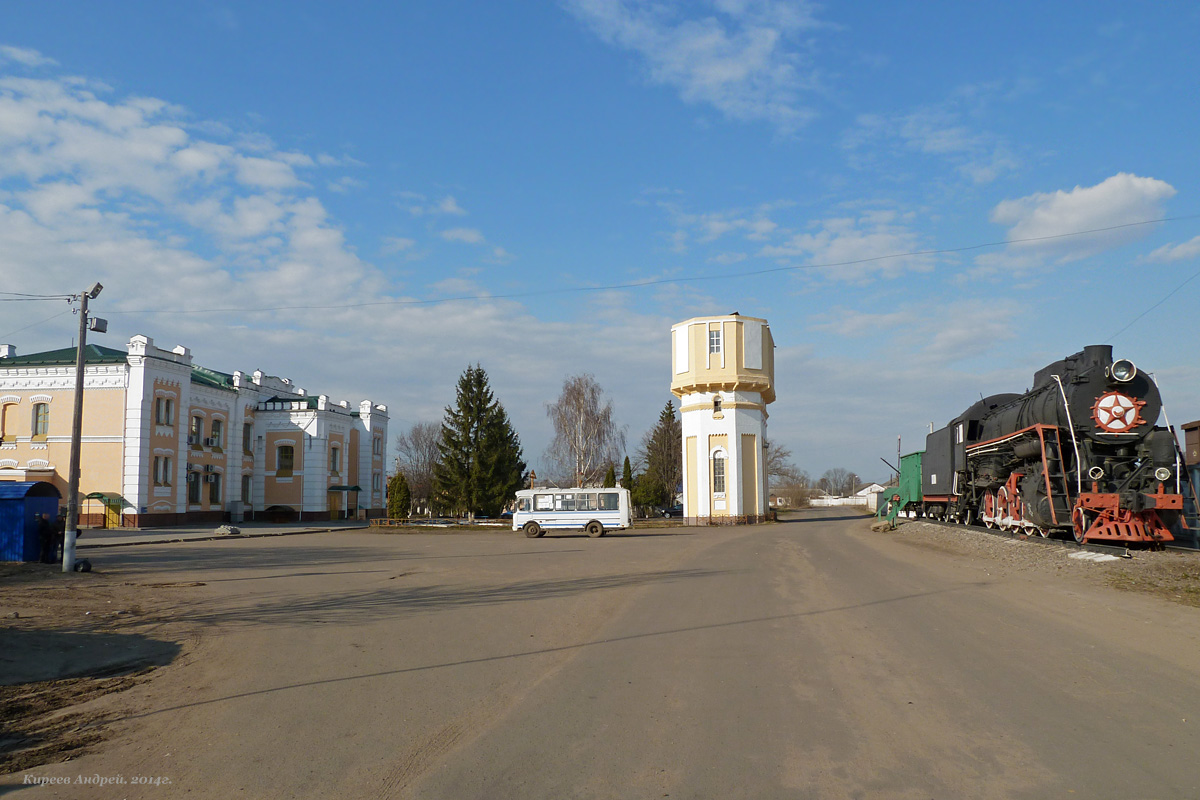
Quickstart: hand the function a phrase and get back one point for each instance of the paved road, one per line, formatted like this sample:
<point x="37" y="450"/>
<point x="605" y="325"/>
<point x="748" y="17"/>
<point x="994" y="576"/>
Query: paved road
<point x="811" y="659"/>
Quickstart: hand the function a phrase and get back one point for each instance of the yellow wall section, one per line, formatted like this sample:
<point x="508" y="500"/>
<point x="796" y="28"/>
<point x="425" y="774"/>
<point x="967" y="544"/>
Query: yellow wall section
<point x="749" y="474"/>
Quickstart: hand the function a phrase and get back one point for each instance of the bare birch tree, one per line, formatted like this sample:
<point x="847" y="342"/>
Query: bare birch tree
<point x="416" y="453"/>
<point x="586" y="437"/>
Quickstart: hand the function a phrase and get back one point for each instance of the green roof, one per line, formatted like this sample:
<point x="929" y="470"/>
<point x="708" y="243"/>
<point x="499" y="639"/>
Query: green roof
<point x="210" y="377"/>
<point x="92" y="354"/>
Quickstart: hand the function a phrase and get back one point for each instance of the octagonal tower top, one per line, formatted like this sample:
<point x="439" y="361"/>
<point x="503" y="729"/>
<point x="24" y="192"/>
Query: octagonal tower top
<point x="723" y="354"/>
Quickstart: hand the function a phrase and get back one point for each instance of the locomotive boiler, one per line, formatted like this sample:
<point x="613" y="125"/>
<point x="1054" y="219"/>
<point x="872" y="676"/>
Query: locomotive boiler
<point x="1079" y="452"/>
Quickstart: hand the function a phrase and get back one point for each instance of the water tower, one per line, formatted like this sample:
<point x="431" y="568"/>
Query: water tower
<point x="723" y="374"/>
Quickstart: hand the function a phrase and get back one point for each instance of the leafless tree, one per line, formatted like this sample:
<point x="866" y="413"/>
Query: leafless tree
<point x="416" y="453"/>
<point x="837" y="481"/>
<point x="586" y="438"/>
<point x="779" y="463"/>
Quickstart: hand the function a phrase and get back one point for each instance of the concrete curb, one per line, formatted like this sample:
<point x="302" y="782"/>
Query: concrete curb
<point x="211" y="537"/>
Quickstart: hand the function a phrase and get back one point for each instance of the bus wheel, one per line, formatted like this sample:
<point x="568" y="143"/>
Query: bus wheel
<point x="594" y="529"/>
<point x="532" y="529"/>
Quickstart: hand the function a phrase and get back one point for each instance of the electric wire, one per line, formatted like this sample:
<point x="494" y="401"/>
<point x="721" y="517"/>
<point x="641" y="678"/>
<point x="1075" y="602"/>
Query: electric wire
<point x="655" y="281"/>
<point x="1168" y="296"/>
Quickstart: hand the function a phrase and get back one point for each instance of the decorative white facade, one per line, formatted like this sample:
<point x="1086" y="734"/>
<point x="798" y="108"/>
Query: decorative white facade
<point x="723" y="374"/>
<point x="166" y="441"/>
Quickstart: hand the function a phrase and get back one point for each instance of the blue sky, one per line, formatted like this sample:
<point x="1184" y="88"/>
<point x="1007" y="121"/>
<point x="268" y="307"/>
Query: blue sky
<point x="243" y="178"/>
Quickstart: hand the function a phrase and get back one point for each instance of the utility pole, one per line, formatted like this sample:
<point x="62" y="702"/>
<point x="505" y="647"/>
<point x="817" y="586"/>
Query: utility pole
<point x="85" y="324"/>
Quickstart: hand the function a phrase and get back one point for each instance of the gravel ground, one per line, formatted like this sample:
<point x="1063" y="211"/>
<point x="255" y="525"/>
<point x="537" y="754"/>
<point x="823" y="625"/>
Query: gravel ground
<point x="1171" y="574"/>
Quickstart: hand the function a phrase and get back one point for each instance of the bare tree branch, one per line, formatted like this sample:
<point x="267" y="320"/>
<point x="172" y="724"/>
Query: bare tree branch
<point x="586" y="438"/>
<point x="416" y="453"/>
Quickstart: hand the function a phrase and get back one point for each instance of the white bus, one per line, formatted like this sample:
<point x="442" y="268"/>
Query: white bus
<point x="596" y="511"/>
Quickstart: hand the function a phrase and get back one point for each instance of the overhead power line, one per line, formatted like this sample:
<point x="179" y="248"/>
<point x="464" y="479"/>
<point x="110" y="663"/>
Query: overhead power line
<point x="411" y="302"/>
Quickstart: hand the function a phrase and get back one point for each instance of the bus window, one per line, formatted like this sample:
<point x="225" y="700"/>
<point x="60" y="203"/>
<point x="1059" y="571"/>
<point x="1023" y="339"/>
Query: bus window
<point x="523" y="504"/>
<point x="543" y="502"/>
<point x="564" y="502"/>
<point x="610" y="501"/>
<point x="585" y="502"/>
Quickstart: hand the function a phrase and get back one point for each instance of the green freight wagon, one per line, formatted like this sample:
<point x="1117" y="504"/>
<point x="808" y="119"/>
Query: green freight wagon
<point x="907" y="495"/>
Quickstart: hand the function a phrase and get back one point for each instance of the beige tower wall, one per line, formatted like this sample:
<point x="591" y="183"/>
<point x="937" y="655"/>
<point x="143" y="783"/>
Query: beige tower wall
<point x="751" y="499"/>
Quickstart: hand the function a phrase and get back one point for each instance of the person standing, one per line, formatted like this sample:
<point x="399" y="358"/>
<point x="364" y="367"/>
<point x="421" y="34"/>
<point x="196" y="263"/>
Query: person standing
<point x="46" y="538"/>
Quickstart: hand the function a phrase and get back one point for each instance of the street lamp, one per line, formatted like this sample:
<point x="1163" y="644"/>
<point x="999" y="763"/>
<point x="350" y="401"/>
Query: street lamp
<point x="99" y="326"/>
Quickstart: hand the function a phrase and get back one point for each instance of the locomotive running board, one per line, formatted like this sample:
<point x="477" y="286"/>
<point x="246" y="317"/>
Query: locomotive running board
<point x="1044" y="434"/>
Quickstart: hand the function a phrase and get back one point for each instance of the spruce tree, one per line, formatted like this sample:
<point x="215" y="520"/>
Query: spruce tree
<point x="479" y="467"/>
<point x="626" y="475"/>
<point x="662" y="453"/>
<point x="610" y="477"/>
<point x="399" y="497"/>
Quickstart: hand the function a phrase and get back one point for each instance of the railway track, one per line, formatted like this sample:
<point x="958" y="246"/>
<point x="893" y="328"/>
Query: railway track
<point x="1068" y="543"/>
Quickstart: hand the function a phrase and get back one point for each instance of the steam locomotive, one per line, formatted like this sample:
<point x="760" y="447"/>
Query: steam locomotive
<point x="1079" y="453"/>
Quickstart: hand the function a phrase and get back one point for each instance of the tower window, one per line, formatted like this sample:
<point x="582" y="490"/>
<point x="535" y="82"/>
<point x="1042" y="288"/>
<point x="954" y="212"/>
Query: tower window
<point x="714" y="342"/>
<point x="716" y="405"/>
<point x="718" y="465"/>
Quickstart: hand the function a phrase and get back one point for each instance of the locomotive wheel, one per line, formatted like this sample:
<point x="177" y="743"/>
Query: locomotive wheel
<point x="989" y="508"/>
<point x="1080" y="524"/>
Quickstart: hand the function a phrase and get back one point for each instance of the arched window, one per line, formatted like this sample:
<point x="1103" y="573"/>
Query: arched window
<point x="717" y="405"/>
<point x="718" y="472"/>
<point x="41" y="420"/>
<point x="285" y="461"/>
<point x="8" y="422"/>
<point x="335" y="460"/>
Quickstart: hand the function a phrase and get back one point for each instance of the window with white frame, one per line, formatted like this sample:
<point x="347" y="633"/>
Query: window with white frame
<point x="285" y="460"/>
<point x="218" y="431"/>
<point x="164" y="411"/>
<point x="162" y="470"/>
<point x="714" y="342"/>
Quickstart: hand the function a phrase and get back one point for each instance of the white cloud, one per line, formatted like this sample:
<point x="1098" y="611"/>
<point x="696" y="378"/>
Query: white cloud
<point x="467" y="235"/>
<point x="419" y="205"/>
<point x="25" y="55"/>
<point x="1177" y="252"/>
<point x="745" y="60"/>
<point x="397" y="244"/>
<point x="1049" y="218"/>
<point x="875" y="243"/>
<point x="936" y="131"/>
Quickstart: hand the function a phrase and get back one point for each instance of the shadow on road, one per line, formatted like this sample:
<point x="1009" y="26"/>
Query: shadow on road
<point x="567" y="648"/>
<point x="374" y="604"/>
<point x="27" y="656"/>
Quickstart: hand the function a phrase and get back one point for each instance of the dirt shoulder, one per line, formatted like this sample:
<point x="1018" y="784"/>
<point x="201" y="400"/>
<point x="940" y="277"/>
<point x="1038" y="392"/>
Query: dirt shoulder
<point x="67" y="639"/>
<point x="1170" y="574"/>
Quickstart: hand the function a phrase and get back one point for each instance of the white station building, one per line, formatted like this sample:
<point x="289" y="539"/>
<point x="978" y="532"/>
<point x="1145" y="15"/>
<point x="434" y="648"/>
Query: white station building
<point x="724" y="376"/>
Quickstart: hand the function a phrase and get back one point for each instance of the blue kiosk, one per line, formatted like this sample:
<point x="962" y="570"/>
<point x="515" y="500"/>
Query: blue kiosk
<point x="20" y="504"/>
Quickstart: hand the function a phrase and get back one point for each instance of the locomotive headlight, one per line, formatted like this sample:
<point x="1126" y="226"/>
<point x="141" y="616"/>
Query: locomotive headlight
<point x="1162" y="474"/>
<point x="1122" y="370"/>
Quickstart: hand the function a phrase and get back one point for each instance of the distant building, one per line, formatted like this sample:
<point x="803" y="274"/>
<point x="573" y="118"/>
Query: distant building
<point x="723" y="372"/>
<point x="167" y="442"/>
